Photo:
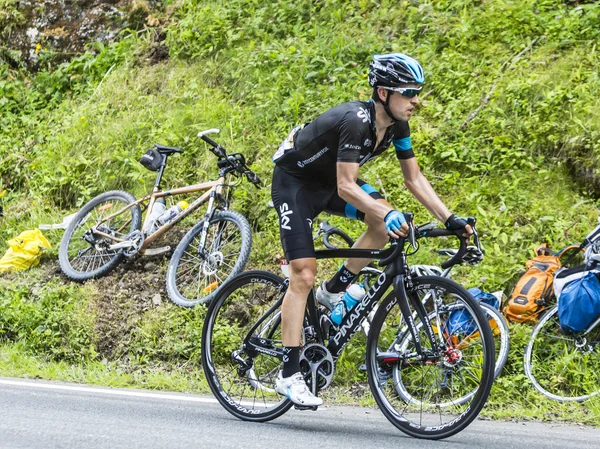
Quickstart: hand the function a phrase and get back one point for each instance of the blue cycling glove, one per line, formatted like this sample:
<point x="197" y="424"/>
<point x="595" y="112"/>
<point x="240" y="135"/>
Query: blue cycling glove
<point x="393" y="220"/>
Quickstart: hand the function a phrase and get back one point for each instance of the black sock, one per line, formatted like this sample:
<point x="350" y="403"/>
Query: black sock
<point x="340" y="282"/>
<point x="291" y="360"/>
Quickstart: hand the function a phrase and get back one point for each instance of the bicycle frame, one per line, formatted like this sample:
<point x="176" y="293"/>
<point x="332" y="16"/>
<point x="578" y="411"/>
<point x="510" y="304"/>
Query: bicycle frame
<point x="214" y="193"/>
<point x="395" y="274"/>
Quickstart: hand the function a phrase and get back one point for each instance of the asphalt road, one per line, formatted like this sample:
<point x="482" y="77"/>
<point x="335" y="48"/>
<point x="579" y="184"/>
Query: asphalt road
<point x="50" y="415"/>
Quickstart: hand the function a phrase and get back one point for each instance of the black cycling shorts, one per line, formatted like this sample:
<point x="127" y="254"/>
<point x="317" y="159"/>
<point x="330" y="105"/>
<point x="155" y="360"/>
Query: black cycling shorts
<point x="298" y="202"/>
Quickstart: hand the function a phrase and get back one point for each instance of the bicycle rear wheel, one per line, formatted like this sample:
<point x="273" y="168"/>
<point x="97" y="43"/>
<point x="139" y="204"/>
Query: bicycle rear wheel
<point x="242" y="379"/>
<point x="563" y="367"/>
<point x="84" y="254"/>
<point x="445" y="389"/>
<point x="196" y="271"/>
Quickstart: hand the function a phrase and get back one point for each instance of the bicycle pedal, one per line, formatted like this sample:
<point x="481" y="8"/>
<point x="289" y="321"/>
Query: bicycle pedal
<point x="302" y="407"/>
<point x="156" y="251"/>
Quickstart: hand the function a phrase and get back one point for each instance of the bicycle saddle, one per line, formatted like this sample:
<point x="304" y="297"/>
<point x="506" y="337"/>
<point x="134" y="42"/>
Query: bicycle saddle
<point x="167" y="150"/>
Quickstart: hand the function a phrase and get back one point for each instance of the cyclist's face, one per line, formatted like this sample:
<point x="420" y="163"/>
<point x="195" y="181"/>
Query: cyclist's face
<point x="403" y="107"/>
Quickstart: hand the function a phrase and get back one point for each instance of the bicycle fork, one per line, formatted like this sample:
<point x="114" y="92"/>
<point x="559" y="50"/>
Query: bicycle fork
<point x="404" y="301"/>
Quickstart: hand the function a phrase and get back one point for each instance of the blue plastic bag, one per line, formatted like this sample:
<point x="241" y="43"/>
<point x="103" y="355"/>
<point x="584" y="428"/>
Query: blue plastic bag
<point x="579" y="304"/>
<point x="460" y="321"/>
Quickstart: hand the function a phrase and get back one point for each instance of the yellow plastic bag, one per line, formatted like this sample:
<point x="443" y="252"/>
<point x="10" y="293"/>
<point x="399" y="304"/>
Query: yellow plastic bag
<point x="25" y="251"/>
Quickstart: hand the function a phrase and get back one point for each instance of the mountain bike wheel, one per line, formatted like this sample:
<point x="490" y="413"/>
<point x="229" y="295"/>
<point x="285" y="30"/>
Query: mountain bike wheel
<point x="241" y="379"/>
<point x="501" y="344"/>
<point x="83" y="255"/>
<point x="434" y="386"/>
<point x="563" y="367"/>
<point x="196" y="272"/>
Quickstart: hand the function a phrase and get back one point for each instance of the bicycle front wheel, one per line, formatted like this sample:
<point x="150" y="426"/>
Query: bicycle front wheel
<point x="501" y="345"/>
<point x="444" y="388"/>
<point x="84" y="254"/>
<point x="241" y="378"/>
<point x="563" y="367"/>
<point x="196" y="271"/>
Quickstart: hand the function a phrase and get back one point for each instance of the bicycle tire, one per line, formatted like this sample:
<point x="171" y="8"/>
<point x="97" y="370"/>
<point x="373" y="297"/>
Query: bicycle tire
<point x="236" y="308"/>
<point x="195" y="279"/>
<point x="72" y="239"/>
<point x="562" y="367"/>
<point x="424" y="419"/>
<point x="501" y="333"/>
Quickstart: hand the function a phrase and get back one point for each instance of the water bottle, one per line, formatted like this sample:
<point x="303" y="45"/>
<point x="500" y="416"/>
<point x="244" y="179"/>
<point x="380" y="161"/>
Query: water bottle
<point x="171" y="213"/>
<point x="353" y="295"/>
<point x="157" y="209"/>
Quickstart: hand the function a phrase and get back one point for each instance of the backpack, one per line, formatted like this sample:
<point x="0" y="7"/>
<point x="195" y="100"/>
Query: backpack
<point x="460" y="321"/>
<point x="578" y="299"/>
<point x="535" y="288"/>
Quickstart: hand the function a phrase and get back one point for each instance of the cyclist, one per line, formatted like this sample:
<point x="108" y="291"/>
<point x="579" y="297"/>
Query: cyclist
<point x="316" y="169"/>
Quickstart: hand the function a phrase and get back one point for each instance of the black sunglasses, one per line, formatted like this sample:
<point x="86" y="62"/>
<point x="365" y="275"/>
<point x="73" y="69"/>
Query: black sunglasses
<point x="408" y="92"/>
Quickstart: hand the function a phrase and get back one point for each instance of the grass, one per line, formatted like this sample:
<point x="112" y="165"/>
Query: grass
<point x="525" y="165"/>
<point x="16" y="361"/>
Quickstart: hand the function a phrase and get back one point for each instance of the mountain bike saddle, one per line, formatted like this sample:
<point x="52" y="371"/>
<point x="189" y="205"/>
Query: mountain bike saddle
<point x="167" y="150"/>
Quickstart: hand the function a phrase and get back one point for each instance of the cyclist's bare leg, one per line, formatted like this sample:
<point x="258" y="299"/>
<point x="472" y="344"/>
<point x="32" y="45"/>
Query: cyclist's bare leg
<point x="290" y="381"/>
<point x="374" y="237"/>
<point x="302" y="278"/>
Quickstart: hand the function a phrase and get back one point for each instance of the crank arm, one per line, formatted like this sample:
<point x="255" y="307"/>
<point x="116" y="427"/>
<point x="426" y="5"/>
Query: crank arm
<point x="121" y="245"/>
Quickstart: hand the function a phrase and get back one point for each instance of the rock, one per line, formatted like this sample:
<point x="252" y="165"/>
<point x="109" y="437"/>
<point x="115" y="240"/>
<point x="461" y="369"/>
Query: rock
<point x="150" y="266"/>
<point x="156" y="300"/>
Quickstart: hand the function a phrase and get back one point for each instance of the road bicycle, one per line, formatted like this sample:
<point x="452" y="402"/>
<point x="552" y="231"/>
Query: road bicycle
<point x="566" y="367"/>
<point x="109" y="228"/>
<point x="242" y="352"/>
<point x="333" y="238"/>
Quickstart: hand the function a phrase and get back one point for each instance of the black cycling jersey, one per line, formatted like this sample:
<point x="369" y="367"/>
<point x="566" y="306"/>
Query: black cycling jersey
<point x="345" y="133"/>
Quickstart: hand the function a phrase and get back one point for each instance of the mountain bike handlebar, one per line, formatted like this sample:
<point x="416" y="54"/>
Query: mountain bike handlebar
<point x="235" y="162"/>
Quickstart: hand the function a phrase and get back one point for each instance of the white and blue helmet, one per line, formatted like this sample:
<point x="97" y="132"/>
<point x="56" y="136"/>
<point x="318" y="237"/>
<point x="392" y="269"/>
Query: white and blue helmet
<point x="394" y="70"/>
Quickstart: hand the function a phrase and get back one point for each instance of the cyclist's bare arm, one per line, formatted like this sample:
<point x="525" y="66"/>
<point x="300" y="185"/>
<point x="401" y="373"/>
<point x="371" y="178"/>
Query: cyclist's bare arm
<point x="349" y="191"/>
<point x="419" y="186"/>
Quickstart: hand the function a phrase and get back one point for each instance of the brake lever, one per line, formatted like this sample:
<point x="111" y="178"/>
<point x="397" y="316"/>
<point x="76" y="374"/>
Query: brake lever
<point x="472" y="221"/>
<point x="253" y="178"/>
<point x="412" y="233"/>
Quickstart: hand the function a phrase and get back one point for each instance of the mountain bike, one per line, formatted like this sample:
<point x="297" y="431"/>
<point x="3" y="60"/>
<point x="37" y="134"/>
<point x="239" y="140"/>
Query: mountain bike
<point x="242" y="351"/>
<point x="109" y="228"/>
<point x="566" y="367"/>
<point x="333" y="237"/>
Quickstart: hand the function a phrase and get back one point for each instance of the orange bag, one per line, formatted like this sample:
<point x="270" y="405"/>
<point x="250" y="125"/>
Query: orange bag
<point x="535" y="288"/>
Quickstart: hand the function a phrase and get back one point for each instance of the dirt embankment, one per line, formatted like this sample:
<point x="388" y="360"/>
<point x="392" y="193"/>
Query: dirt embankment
<point x="31" y="29"/>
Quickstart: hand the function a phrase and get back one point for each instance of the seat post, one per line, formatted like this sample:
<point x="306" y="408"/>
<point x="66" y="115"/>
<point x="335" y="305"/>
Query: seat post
<point x="160" y="172"/>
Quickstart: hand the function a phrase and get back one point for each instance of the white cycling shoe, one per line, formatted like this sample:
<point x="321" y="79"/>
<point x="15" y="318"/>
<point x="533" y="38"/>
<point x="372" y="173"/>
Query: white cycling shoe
<point x="295" y="389"/>
<point x="327" y="299"/>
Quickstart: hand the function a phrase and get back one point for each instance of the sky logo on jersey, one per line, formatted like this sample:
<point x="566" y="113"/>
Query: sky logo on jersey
<point x="364" y="115"/>
<point x="284" y="211"/>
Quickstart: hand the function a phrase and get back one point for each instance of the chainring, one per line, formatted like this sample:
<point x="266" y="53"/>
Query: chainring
<point x="137" y="240"/>
<point x="318" y="366"/>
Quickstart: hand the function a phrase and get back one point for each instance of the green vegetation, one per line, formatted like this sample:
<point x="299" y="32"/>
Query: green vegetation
<point x="524" y="164"/>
